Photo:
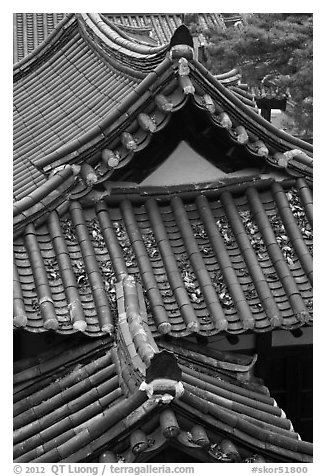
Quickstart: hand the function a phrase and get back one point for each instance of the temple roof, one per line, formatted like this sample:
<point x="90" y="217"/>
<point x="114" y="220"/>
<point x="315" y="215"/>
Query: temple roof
<point x="103" y="405"/>
<point x="91" y="146"/>
<point x="89" y="91"/>
<point x="98" y="107"/>
<point x="213" y="257"/>
<point x="31" y="29"/>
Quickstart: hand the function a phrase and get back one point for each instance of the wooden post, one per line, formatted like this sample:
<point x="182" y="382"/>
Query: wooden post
<point x="263" y="349"/>
<point x="266" y="114"/>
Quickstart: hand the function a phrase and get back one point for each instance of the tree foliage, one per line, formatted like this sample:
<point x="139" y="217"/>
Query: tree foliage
<point x="270" y="48"/>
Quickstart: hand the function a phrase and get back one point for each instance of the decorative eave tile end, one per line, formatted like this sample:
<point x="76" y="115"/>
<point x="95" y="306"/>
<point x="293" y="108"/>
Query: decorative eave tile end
<point x="164" y="328"/>
<point x="20" y="321"/>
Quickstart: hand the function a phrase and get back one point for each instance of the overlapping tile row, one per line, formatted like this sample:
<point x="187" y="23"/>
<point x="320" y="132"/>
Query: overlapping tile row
<point x="140" y="34"/>
<point x="80" y="295"/>
<point x="27" y="178"/>
<point x="75" y="399"/>
<point x="169" y="430"/>
<point x="59" y="102"/>
<point x="84" y="404"/>
<point x="30" y="30"/>
<point x="246" y="132"/>
<point x="206" y="264"/>
<point x="163" y="25"/>
<point x="66" y="400"/>
<point x="238" y="407"/>
<point x="117" y="48"/>
<point x="49" y="47"/>
<point x="64" y="108"/>
<point x="36" y="206"/>
<point x="118" y="36"/>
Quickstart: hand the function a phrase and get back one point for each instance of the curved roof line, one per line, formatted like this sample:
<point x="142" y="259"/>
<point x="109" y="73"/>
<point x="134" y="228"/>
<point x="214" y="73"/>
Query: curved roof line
<point x="112" y="56"/>
<point x="45" y="45"/>
<point x="239" y="420"/>
<point x="108" y="33"/>
<point x="36" y="195"/>
<point x="261" y="121"/>
<point x="227" y="75"/>
<point x="125" y="31"/>
<point x="266" y="147"/>
<point x="226" y="96"/>
<point x="113" y="33"/>
<point x="225" y="110"/>
<point x="132" y="97"/>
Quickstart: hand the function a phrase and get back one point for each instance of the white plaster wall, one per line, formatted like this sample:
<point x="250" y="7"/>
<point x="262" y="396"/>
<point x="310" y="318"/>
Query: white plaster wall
<point x="184" y="166"/>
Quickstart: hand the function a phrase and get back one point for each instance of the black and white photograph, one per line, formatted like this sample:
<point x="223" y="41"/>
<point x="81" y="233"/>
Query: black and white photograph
<point x="162" y="241"/>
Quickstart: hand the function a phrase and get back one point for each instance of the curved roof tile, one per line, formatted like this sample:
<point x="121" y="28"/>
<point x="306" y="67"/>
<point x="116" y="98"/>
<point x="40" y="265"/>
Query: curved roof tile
<point x="61" y="100"/>
<point x="75" y="404"/>
<point x="59" y="114"/>
<point x="141" y="262"/>
<point x="163" y="25"/>
<point x="68" y="113"/>
<point x="237" y="259"/>
<point x="256" y="135"/>
<point x="31" y="29"/>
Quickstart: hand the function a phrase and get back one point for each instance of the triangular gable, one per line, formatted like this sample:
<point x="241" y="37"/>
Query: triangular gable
<point x="184" y="166"/>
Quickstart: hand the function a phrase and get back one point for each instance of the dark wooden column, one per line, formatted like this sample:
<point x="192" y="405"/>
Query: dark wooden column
<point x="264" y="360"/>
<point x="266" y="114"/>
<point x="267" y="103"/>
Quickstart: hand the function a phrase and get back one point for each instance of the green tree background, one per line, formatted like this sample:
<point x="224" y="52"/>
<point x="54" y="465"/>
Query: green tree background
<point x="273" y="48"/>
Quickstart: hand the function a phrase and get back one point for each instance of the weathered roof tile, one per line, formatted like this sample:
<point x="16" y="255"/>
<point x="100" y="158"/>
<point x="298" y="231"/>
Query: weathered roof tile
<point x="199" y="263"/>
<point x="89" y="408"/>
<point x="141" y="262"/>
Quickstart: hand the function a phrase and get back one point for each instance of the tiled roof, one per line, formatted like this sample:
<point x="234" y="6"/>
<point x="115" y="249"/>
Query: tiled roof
<point x="130" y="118"/>
<point x="31" y="29"/>
<point x="136" y="267"/>
<point x="98" y="103"/>
<point x="105" y="405"/>
<point x="218" y="257"/>
<point x="163" y="25"/>
<point x="64" y="100"/>
<point x="61" y="100"/>
<point x="69" y="85"/>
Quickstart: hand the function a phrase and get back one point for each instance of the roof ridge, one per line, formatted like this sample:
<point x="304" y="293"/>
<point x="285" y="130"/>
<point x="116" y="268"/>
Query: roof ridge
<point x="98" y="399"/>
<point x="140" y="193"/>
<point x="192" y="82"/>
<point x="123" y="30"/>
<point x="112" y="33"/>
<point x="90" y="259"/>
<point x="97" y="130"/>
<point x="280" y="134"/>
